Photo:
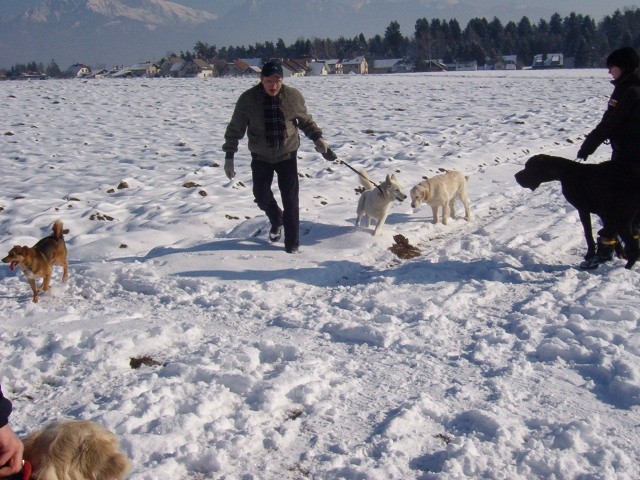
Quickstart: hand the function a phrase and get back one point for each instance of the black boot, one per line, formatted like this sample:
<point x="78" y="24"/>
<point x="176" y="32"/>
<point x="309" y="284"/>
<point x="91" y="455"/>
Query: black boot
<point x="632" y="251"/>
<point x="275" y="233"/>
<point x="604" y="253"/>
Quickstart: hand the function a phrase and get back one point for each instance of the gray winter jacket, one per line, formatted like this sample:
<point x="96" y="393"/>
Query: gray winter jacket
<point x="248" y="116"/>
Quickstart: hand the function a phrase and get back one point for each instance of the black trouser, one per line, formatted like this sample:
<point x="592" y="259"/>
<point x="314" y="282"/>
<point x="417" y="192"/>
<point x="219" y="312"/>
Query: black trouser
<point x="289" y="216"/>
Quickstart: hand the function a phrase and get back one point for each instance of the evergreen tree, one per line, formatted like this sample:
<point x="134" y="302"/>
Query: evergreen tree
<point x="53" y="70"/>
<point x="394" y="41"/>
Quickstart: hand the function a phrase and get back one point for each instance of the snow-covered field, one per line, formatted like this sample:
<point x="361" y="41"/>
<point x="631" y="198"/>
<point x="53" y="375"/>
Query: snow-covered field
<point x="488" y="356"/>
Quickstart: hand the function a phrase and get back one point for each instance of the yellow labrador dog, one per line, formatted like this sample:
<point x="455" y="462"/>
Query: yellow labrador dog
<point x="75" y="450"/>
<point x="442" y="191"/>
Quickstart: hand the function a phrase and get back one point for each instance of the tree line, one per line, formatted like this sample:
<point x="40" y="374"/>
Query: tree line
<point x="52" y="70"/>
<point x="482" y="40"/>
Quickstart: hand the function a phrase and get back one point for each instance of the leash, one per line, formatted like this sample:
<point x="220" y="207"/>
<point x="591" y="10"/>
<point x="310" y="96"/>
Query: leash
<point x="331" y="156"/>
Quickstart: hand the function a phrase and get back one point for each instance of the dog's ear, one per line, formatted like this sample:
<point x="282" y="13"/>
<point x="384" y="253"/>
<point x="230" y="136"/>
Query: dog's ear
<point x="16" y="250"/>
<point x="102" y="458"/>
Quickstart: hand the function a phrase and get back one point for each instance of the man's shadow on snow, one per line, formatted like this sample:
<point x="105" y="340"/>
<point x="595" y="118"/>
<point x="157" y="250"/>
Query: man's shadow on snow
<point x="420" y="270"/>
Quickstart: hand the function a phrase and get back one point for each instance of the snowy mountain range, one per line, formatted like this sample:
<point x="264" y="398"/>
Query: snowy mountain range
<point x="104" y="32"/>
<point x="111" y="32"/>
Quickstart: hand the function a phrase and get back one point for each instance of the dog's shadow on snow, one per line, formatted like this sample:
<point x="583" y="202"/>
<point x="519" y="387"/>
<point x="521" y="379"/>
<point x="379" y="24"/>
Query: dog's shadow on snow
<point x="422" y="270"/>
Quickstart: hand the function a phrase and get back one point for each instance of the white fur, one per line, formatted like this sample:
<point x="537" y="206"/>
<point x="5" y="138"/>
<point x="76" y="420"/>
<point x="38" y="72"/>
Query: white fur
<point x="442" y="191"/>
<point x="375" y="202"/>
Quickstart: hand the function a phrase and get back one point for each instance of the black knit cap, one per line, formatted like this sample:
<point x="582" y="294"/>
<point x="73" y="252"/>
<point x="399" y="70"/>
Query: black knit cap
<point x="272" y="67"/>
<point x="626" y="59"/>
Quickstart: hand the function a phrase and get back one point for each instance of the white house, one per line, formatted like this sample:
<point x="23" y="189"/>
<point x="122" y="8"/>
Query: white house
<point x="470" y="66"/>
<point x="389" y="65"/>
<point x="78" y="70"/>
<point x="317" y="69"/>
<point x="510" y="62"/>
<point x="552" y="60"/>
<point x="356" y="65"/>
<point x="334" y="66"/>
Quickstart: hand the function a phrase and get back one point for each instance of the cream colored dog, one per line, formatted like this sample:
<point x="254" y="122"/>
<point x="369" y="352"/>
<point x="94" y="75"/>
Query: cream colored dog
<point x="375" y="201"/>
<point x="75" y="450"/>
<point x="442" y="191"/>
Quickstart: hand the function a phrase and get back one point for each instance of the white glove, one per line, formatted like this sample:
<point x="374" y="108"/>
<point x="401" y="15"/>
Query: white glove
<point x="321" y="146"/>
<point x="228" y="168"/>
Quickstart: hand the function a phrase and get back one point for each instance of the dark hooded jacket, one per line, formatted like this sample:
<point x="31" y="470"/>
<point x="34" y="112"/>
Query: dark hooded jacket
<point x="5" y="409"/>
<point x="620" y="123"/>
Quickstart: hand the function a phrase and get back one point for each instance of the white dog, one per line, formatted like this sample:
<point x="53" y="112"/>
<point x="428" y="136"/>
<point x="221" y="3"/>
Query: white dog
<point x="442" y="191"/>
<point x="376" y="200"/>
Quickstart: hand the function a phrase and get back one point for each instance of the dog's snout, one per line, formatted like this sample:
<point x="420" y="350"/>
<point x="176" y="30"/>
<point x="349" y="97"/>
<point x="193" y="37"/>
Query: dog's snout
<point x="523" y="180"/>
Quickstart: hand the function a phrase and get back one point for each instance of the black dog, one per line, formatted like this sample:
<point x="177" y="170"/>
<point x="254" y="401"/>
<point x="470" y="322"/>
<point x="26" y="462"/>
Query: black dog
<point x="609" y="190"/>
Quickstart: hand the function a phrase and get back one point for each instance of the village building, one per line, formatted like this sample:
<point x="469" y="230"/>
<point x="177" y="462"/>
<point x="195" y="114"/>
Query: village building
<point x="334" y="66"/>
<point x="78" y="70"/>
<point x="389" y="65"/>
<point x="357" y="65"/>
<point x="551" y="60"/>
<point x="294" y="68"/>
<point x="317" y="69"/>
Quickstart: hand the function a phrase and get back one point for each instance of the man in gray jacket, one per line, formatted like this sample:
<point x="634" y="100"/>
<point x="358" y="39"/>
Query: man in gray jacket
<point x="271" y="114"/>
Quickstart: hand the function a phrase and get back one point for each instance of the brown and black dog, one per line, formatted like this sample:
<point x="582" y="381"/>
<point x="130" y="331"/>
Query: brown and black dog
<point x="610" y="190"/>
<point x="38" y="261"/>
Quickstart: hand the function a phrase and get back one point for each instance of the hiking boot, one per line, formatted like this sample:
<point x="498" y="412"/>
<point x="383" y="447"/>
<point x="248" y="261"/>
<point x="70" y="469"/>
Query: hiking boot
<point x="275" y="233"/>
<point x="292" y="249"/>
<point x="632" y="251"/>
<point x="604" y="253"/>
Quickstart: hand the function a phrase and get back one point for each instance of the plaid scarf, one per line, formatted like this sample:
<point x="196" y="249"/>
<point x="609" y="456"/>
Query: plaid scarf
<point x="274" y="126"/>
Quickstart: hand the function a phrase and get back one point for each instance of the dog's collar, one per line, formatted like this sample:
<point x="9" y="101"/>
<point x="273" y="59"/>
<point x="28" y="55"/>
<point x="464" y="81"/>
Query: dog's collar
<point x="24" y="474"/>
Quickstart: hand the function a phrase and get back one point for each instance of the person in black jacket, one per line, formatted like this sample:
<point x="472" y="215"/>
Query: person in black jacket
<point x="11" y="447"/>
<point x="620" y="126"/>
<point x="620" y="123"/>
